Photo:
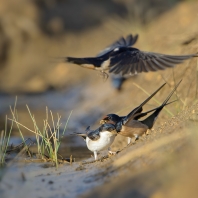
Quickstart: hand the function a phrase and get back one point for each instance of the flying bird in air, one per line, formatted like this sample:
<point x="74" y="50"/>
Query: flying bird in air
<point x="120" y="58"/>
<point x="130" y="126"/>
<point x="99" y="139"/>
<point x="116" y="79"/>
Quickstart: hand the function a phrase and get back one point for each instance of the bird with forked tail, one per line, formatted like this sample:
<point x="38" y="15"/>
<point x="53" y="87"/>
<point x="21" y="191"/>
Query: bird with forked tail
<point x="95" y="62"/>
<point x="116" y="79"/>
<point x="130" y="126"/>
<point x="120" y="58"/>
<point x="99" y="139"/>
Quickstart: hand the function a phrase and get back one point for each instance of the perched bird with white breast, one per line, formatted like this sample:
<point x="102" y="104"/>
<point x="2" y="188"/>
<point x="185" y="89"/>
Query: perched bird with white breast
<point x="130" y="126"/>
<point x="99" y="139"/>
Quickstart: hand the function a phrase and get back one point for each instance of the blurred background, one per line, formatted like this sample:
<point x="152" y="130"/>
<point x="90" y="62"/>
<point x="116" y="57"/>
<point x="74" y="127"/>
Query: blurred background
<point x="34" y="34"/>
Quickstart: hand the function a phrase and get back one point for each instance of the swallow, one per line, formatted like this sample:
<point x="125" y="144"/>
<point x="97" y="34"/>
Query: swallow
<point x="99" y="139"/>
<point x="130" y="126"/>
<point x="93" y="63"/>
<point x="116" y="79"/>
<point x="123" y="59"/>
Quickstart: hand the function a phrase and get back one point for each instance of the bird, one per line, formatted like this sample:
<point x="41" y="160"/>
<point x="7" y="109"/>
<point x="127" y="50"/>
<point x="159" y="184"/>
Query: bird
<point x="123" y="59"/>
<point x="116" y="79"/>
<point x="99" y="139"/>
<point x="130" y="126"/>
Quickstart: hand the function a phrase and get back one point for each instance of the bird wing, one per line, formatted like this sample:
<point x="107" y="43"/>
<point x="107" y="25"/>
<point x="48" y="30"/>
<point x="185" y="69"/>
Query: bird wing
<point x="133" y="127"/>
<point x="94" y="135"/>
<point x="133" y="61"/>
<point x="121" y="42"/>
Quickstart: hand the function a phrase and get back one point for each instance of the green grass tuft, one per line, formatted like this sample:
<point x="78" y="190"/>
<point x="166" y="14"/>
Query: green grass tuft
<point x="49" y="137"/>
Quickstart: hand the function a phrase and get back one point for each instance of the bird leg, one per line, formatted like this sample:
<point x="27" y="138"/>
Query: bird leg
<point x="95" y="155"/>
<point x="128" y="140"/>
<point x="104" y="75"/>
<point x="135" y="138"/>
<point x="111" y="152"/>
<point x="148" y="131"/>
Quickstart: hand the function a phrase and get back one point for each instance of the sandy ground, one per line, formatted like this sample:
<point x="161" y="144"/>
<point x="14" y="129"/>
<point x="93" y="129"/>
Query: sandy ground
<point x="162" y="164"/>
<point x="163" y="160"/>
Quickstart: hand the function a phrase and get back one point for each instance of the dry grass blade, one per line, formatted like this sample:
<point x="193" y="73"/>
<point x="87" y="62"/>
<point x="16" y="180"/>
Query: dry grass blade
<point x="49" y="138"/>
<point x="196" y="95"/>
<point x="15" y="118"/>
<point x="4" y="142"/>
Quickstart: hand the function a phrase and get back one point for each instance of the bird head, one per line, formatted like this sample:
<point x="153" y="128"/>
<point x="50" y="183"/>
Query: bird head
<point x="110" y="118"/>
<point x="108" y="127"/>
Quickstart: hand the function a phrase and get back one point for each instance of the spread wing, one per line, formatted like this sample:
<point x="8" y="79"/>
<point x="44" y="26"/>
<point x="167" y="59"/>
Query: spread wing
<point x="121" y="42"/>
<point x="132" y="61"/>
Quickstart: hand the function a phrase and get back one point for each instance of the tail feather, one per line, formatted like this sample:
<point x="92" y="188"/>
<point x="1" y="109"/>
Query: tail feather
<point x="78" y="61"/>
<point x="138" y="109"/>
<point x="90" y="63"/>
<point x="145" y="113"/>
<point x="80" y="134"/>
<point x="149" y="121"/>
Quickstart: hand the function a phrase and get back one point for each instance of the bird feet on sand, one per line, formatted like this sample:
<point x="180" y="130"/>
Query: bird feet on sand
<point x="112" y="152"/>
<point x="132" y="140"/>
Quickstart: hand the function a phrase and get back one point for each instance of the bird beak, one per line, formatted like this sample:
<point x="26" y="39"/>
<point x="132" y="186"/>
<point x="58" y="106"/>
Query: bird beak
<point x="104" y="120"/>
<point x="107" y="121"/>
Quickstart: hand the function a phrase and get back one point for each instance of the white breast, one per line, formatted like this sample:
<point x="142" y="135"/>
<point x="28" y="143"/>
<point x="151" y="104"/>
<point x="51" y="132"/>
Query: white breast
<point x="105" y="141"/>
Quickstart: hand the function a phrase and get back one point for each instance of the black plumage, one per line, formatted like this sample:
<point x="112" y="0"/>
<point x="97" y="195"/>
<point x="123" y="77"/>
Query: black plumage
<point x="120" y="58"/>
<point x="130" y="125"/>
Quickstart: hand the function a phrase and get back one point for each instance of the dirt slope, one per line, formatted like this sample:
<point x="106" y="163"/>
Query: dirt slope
<point x="162" y="164"/>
